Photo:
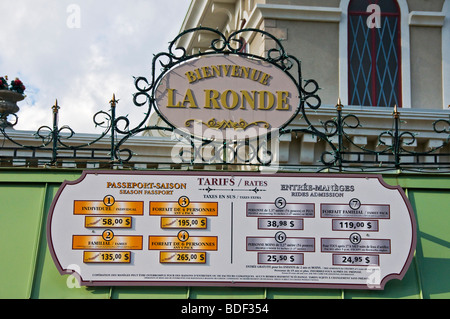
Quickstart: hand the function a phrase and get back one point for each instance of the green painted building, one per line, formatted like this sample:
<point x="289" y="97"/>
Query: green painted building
<point x="28" y="270"/>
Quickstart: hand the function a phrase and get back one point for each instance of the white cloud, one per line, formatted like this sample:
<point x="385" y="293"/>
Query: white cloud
<point x="81" y="52"/>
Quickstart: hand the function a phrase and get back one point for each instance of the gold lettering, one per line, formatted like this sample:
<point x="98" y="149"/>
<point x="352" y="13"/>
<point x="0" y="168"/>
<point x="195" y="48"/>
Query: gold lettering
<point x="266" y="100"/>
<point x="245" y="72"/>
<point x="189" y="98"/>
<point x="198" y="74"/>
<point x="236" y="71"/>
<point x="171" y="99"/>
<point x="282" y="103"/>
<point x="224" y="99"/>
<point x="206" y="72"/>
<point x="191" y="76"/>
<point x="216" y="70"/>
<point x="230" y="99"/>
<point x="249" y="99"/>
<point x="264" y="79"/>
<point x="226" y="69"/>
<point x="254" y="75"/>
<point x="211" y="99"/>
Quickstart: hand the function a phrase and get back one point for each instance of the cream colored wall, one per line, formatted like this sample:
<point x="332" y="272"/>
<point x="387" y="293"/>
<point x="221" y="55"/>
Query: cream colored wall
<point x="426" y="67"/>
<point x="316" y="45"/>
<point x="257" y="46"/>
<point x="426" y="58"/>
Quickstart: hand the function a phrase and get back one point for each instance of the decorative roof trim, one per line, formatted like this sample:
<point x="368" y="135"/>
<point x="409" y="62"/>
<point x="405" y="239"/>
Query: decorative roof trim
<point x="293" y="12"/>
<point x="426" y="18"/>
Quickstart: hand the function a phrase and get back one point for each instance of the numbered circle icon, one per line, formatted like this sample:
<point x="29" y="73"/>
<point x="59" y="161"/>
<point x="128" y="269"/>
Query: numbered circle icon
<point x="355" y="238"/>
<point x="183" y="235"/>
<point x="280" y="202"/>
<point x="109" y="200"/>
<point x="183" y="201"/>
<point x="280" y="237"/>
<point x="354" y="203"/>
<point x="107" y="235"/>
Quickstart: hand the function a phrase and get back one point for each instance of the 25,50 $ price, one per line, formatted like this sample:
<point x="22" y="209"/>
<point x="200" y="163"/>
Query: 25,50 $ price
<point x="281" y="259"/>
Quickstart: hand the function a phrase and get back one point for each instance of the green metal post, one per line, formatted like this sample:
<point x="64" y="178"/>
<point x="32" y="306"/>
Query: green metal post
<point x="340" y="133"/>
<point x="55" y="133"/>
<point x="113" y="103"/>
<point x="396" y="142"/>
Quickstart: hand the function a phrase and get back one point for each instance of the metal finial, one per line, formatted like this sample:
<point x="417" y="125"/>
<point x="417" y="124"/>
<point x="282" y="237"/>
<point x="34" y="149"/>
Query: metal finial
<point x="114" y="101"/>
<point x="396" y="112"/>
<point x="339" y="105"/>
<point x="55" y="107"/>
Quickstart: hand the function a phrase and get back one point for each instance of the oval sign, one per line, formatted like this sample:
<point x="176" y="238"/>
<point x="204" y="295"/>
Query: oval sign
<point x="227" y="97"/>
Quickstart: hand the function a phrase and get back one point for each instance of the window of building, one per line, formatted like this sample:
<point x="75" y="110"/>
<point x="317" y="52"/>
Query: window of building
<point x="374" y="53"/>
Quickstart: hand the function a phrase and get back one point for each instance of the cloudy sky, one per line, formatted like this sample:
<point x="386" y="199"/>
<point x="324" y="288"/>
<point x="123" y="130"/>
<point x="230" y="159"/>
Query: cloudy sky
<point x="81" y="52"/>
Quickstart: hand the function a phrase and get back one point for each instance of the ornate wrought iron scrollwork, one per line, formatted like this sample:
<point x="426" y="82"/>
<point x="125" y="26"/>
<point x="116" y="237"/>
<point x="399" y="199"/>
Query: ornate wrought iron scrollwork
<point x="341" y="153"/>
<point x="220" y="44"/>
<point x="394" y="144"/>
<point x="56" y="140"/>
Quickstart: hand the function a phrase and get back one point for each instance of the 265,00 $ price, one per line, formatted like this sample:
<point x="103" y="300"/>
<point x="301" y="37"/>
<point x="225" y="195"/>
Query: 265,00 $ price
<point x="182" y="257"/>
